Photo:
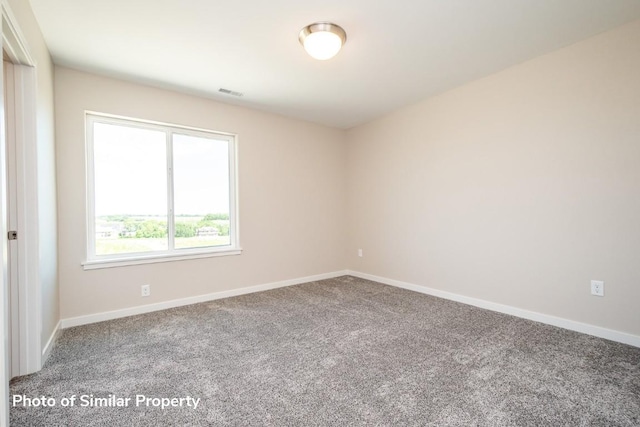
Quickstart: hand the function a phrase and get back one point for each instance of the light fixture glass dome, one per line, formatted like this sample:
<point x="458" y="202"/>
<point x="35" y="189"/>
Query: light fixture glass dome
<point x="322" y="40"/>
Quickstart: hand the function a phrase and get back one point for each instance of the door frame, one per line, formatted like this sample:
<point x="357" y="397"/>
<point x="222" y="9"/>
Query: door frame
<point x="23" y="129"/>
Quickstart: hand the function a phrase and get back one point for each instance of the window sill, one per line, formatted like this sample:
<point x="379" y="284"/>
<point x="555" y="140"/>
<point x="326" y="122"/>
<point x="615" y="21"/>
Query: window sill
<point x="151" y="259"/>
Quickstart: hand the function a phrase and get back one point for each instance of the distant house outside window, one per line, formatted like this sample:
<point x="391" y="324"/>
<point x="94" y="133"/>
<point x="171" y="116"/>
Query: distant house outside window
<point x="158" y="191"/>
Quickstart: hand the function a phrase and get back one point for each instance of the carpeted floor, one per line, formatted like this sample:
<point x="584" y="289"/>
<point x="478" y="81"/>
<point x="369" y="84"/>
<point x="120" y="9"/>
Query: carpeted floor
<point x="337" y="352"/>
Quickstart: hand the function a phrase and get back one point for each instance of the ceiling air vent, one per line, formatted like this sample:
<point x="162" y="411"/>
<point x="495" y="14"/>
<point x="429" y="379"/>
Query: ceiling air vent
<point x="229" y="92"/>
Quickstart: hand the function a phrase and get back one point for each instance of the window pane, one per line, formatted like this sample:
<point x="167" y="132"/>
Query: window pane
<point x="130" y="173"/>
<point x="201" y="191"/>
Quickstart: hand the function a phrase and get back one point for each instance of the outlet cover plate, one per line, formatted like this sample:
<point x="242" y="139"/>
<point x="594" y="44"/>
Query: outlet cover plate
<point x="597" y="288"/>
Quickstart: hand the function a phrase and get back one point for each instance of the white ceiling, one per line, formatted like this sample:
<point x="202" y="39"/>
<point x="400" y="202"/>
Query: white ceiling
<point x="397" y="52"/>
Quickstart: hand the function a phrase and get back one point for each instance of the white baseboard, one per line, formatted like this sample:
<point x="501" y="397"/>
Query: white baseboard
<point x="572" y="325"/>
<point x="116" y="314"/>
<point x="51" y="343"/>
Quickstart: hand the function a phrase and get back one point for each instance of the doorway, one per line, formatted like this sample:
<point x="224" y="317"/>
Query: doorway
<point x="20" y="303"/>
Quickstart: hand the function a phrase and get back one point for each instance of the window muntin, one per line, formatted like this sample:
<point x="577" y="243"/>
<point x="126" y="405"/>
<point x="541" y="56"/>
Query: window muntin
<point x="157" y="190"/>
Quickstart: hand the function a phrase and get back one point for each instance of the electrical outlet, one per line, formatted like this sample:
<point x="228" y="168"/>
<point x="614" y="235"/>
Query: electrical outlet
<point x="360" y="253"/>
<point x="597" y="288"/>
<point x="145" y="290"/>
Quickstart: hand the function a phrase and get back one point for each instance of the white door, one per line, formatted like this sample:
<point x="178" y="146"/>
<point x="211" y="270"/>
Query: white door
<point x="20" y="221"/>
<point x="6" y="354"/>
<point x="12" y="245"/>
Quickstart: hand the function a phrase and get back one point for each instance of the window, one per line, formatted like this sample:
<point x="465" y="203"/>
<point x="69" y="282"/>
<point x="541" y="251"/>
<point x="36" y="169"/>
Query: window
<point x="158" y="192"/>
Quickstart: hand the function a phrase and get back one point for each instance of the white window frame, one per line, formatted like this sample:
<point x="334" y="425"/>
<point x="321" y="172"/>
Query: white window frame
<point x="94" y="261"/>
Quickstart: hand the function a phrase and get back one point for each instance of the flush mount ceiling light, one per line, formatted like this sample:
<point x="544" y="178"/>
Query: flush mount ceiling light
<point x="322" y="40"/>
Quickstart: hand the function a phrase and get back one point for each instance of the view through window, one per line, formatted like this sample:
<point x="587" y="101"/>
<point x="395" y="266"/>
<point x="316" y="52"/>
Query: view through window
<point x="158" y="189"/>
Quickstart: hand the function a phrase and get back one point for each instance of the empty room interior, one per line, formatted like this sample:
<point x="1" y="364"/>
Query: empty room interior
<point x="335" y="213"/>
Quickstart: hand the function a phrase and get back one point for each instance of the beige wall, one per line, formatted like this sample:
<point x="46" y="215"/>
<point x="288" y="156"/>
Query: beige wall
<point x="47" y="214"/>
<point x="291" y="197"/>
<point x="518" y="188"/>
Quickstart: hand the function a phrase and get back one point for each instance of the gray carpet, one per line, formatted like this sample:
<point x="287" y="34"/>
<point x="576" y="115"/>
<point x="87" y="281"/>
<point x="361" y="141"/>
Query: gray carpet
<point x="337" y="352"/>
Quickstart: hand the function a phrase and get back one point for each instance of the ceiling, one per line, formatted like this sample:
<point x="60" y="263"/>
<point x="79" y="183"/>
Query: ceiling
<point x="397" y="52"/>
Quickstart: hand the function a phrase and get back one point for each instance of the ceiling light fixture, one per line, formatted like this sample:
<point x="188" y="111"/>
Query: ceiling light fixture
<point x="322" y="40"/>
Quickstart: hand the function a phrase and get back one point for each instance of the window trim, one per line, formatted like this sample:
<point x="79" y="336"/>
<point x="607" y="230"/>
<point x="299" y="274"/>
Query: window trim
<point x="94" y="261"/>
